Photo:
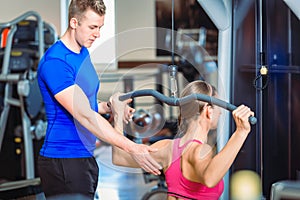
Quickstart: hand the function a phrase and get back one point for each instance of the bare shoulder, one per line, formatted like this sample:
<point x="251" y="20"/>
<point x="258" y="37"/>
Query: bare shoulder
<point x="164" y="153"/>
<point x="162" y="143"/>
<point x="206" y="151"/>
<point x="201" y="152"/>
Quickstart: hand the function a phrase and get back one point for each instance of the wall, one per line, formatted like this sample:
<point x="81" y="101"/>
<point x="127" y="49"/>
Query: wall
<point x="104" y="57"/>
<point x="135" y="28"/>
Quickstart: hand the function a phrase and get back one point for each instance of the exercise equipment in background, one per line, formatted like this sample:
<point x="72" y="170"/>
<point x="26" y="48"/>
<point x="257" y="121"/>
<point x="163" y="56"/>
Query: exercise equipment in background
<point x="145" y="123"/>
<point x="22" y="122"/>
<point x="285" y="189"/>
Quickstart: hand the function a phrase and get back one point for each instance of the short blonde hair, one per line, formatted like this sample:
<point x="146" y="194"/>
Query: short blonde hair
<point x="77" y="8"/>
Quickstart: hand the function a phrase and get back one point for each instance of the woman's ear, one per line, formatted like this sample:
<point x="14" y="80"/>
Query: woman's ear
<point x="209" y="111"/>
<point x="73" y="23"/>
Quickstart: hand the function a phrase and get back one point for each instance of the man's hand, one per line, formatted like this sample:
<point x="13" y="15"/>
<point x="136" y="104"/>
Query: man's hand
<point x="118" y="106"/>
<point x="128" y="114"/>
<point x="141" y="154"/>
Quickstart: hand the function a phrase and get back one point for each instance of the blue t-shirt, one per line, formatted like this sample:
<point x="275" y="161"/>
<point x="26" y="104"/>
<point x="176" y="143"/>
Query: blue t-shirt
<point x="58" y="69"/>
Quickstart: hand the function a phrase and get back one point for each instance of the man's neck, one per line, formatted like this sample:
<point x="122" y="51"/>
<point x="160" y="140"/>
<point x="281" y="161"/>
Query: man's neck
<point x="69" y="41"/>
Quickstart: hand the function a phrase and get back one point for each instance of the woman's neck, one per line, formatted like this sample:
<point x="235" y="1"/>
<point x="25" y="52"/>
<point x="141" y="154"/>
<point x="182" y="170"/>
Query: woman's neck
<point x="195" y="132"/>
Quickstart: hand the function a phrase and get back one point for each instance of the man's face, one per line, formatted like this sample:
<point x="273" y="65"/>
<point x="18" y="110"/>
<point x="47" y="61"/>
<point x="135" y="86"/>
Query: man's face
<point x="88" y="29"/>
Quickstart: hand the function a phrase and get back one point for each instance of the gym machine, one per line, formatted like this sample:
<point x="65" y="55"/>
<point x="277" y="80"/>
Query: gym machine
<point x="23" y="42"/>
<point x="173" y="101"/>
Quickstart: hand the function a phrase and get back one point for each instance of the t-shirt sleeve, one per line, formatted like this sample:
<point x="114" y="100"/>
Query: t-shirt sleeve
<point x="57" y="75"/>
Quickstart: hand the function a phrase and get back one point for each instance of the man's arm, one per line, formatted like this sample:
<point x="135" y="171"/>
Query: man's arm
<point x="76" y="103"/>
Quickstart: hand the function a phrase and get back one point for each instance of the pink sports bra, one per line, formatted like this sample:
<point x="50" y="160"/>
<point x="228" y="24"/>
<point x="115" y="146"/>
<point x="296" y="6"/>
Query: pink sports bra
<point x="180" y="187"/>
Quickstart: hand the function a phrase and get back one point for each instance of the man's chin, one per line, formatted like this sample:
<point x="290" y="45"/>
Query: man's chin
<point x="88" y="45"/>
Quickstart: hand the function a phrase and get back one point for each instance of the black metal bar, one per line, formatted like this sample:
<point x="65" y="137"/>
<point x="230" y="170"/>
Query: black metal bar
<point x="260" y="61"/>
<point x="181" y="101"/>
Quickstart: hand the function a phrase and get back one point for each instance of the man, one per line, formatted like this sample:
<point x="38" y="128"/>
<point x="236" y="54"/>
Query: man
<point x="69" y="85"/>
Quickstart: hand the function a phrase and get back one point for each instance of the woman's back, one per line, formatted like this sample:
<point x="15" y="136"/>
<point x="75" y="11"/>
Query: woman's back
<point x="179" y="185"/>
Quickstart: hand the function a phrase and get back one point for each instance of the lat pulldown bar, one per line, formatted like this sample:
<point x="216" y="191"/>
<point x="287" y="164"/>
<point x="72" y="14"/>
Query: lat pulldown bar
<point x="173" y="101"/>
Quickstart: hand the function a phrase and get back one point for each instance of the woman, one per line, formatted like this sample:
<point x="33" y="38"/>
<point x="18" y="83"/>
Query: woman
<point x="192" y="169"/>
